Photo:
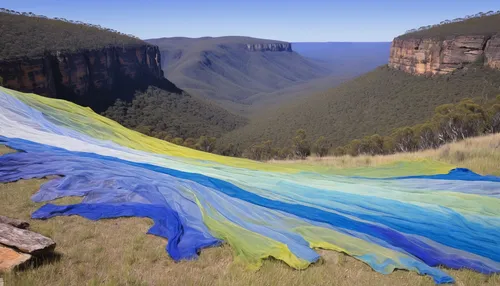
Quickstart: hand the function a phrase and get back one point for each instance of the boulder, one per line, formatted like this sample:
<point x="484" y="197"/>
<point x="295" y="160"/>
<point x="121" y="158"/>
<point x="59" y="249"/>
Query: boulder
<point x="24" y="240"/>
<point x="14" y="222"/>
<point x="9" y="259"/>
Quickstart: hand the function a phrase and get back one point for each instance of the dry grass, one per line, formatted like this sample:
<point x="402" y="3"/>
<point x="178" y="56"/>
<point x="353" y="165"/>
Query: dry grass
<point x="480" y="154"/>
<point x="5" y="150"/>
<point x="118" y="252"/>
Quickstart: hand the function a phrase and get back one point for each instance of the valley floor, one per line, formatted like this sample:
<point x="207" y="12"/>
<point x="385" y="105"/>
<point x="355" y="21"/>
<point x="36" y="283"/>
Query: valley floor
<point x="118" y="252"/>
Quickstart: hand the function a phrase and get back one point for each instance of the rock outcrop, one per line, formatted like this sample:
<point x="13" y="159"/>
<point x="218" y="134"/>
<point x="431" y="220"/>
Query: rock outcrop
<point x="270" y="47"/>
<point x="17" y="244"/>
<point x="94" y="78"/>
<point x="442" y="56"/>
<point x="10" y="259"/>
<point x="25" y="240"/>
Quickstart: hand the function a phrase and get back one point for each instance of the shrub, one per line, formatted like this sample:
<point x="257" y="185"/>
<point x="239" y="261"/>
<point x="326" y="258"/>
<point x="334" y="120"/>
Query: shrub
<point x="321" y="147"/>
<point x="301" y="146"/>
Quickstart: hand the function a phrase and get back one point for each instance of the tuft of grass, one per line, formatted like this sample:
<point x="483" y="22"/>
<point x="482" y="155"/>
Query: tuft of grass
<point x="119" y="252"/>
<point x="5" y="150"/>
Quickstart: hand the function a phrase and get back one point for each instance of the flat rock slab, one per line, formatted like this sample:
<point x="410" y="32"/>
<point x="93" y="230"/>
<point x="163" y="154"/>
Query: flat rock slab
<point x="10" y="258"/>
<point x="25" y="240"/>
<point x="14" y="222"/>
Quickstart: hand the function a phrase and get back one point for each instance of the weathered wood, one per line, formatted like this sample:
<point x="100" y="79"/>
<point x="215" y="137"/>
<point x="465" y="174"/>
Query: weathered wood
<point x="14" y="222"/>
<point x="10" y="258"/>
<point x="25" y="240"/>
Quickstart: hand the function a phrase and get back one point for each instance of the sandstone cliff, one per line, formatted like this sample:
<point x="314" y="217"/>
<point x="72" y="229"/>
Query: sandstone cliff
<point x="442" y="56"/>
<point x="270" y="47"/>
<point x="94" y="78"/>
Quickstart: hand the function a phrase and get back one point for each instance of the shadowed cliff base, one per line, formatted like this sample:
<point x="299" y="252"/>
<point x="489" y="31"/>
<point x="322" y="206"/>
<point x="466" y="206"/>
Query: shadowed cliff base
<point x="98" y="88"/>
<point x="123" y="87"/>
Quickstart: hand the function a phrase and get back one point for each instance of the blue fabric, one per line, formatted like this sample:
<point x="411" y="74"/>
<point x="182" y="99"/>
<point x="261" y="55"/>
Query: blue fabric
<point x="457" y="174"/>
<point x="184" y="242"/>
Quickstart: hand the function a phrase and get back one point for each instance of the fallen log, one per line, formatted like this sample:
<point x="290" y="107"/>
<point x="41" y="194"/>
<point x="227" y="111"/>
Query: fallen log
<point x="14" y="222"/>
<point x="25" y="240"/>
<point x="10" y="258"/>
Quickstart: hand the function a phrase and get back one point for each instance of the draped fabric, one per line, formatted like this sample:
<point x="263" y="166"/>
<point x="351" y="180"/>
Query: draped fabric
<point x="413" y="215"/>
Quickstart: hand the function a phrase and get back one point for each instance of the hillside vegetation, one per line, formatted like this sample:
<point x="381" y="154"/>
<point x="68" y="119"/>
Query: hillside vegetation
<point x="450" y="123"/>
<point x="480" y="24"/>
<point x="167" y="115"/>
<point x="30" y="35"/>
<point x="374" y="103"/>
<point x="224" y="69"/>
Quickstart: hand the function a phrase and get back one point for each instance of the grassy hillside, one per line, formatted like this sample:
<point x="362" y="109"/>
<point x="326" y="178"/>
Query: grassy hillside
<point x="166" y="115"/>
<point x="223" y="69"/>
<point x="485" y="25"/>
<point x="479" y="154"/>
<point x="28" y="36"/>
<point x="373" y="103"/>
<point x="88" y="251"/>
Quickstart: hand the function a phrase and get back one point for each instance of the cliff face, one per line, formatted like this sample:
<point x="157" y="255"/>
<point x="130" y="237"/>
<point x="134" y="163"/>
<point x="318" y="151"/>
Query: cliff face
<point x="434" y="56"/>
<point x="272" y="47"/>
<point x="94" y="78"/>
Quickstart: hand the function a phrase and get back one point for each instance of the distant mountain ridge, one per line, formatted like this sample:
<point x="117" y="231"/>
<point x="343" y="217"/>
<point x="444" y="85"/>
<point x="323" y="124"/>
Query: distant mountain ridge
<point x="234" y="68"/>
<point x="346" y="58"/>
<point x="343" y="51"/>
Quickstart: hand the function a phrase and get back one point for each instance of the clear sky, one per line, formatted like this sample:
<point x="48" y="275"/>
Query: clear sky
<point x="287" y="20"/>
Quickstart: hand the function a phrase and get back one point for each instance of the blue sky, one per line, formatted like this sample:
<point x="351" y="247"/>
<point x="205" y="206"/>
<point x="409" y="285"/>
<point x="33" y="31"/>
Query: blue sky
<point x="287" y="20"/>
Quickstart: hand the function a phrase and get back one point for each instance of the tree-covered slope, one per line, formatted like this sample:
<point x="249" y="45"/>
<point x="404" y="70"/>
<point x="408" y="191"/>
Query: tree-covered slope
<point x="480" y="24"/>
<point x="375" y="102"/>
<point x="166" y="115"/>
<point x="28" y="35"/>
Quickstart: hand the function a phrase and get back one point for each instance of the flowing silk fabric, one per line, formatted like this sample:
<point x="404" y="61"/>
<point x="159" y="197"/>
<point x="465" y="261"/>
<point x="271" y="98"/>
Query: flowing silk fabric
<point x="409" y="215"/>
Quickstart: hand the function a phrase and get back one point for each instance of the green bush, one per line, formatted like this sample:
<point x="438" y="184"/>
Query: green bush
<point x="451" y="122"/>
<point x="165" y="115"/>
<point x="301" y="146"/>
<point x="321" y="147"/>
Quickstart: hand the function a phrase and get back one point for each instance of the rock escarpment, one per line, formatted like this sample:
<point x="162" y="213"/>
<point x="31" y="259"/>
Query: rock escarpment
<point x="94" y="78"/>
<point x="270" y="47"/>
<point x="442" y="56"/>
